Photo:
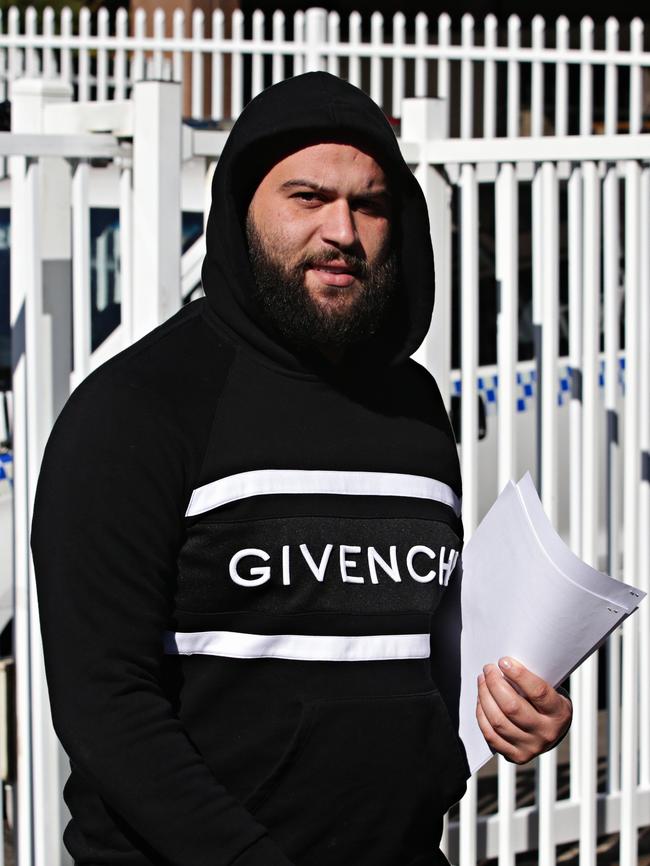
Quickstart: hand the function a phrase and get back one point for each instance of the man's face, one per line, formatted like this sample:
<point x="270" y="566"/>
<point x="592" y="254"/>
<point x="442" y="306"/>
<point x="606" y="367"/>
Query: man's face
<point x="318" y="231"/>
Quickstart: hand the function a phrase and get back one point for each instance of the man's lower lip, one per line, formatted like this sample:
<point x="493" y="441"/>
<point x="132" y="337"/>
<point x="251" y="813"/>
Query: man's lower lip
<point x="334" y="279"/>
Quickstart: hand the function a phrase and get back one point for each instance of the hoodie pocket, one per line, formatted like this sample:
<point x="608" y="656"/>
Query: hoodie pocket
<point x="364" y="781"/>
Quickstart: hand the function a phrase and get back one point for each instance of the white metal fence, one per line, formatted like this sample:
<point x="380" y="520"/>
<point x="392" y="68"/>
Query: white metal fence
<point x="595" y="190"/>
<point x="496" y="78"/>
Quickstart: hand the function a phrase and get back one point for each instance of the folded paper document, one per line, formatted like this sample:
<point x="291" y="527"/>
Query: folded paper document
<point x="526" y="595"/>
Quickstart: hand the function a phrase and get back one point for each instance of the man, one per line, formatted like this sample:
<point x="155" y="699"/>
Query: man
<point x="247" y="526"/>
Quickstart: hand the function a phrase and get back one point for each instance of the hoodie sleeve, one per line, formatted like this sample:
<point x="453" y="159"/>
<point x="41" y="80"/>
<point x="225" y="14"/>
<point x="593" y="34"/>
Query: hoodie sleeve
<point x="446" y="629"/>
<point x="108" y="523"/>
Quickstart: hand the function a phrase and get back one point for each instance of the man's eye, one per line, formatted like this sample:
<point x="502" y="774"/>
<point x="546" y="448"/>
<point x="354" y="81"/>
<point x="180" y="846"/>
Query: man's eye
<point x="306" y="196"/>
<point x="371" y="206"/>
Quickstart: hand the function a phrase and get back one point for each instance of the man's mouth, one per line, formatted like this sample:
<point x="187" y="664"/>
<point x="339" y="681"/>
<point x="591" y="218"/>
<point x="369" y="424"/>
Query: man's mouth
<point x="335" y="274"/>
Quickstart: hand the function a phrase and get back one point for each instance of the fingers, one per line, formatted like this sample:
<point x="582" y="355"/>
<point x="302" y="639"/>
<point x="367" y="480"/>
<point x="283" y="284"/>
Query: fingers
<point x="494" y="741"/>
<point x="497" y="707"/>
<point x="507" y="711"/>
<point x="520" y="714"/>
<point x="536" y="690"/>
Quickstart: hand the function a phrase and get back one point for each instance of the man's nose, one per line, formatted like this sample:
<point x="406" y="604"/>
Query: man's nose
<point x="338" y="224"/>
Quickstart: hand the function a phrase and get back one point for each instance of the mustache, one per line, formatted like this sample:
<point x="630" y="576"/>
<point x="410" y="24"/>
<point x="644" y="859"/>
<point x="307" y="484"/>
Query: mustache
<point x="357" y="265"/>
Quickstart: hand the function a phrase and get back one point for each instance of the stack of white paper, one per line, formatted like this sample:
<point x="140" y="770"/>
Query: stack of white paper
<point x="526" y="595"/>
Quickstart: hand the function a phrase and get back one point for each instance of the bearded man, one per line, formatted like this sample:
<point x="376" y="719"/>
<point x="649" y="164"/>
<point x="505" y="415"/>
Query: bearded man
<point x="247" y="531"/>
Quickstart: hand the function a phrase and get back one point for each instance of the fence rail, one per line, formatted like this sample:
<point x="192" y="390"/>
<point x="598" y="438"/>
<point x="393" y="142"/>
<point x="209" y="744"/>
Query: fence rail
<point x="504" y="78"/>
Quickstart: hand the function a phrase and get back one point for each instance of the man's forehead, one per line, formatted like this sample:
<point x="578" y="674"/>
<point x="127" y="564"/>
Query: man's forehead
<point x="329" y="163"/>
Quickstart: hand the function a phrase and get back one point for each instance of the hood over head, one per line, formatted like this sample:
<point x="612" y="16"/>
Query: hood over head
<point x="308" y="109"/>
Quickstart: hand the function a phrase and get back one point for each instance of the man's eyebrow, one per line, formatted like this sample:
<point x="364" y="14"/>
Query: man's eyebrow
<point x="383" y="192"/>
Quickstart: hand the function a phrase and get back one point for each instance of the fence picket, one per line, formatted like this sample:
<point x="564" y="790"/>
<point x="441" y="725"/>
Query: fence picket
<point x="489" y="79"/>
<point x="631" y="472"/>
<point x="333" y="38"/>
<point x="537" y="81"/>
<point x="561" y="78"/>
<point x="258" y="59"/>
<point x="120" y="74"/>
<point x="126" y="252"/>
<point x="299" y="36"/>
<point x="636" y="84"/>
<point x="32" y="66"/>
<point x="137" y="60"/>
<point x="49" y="63"/>
<point x="158" y="33"/>
<point x="507" y="276"/>
<point x="548" y="482"/>
<point x="444" y="40"/>
<point x="25" y="255"/>
<point x="538" y="264"/>
<point x="376" y="61"/>
<point x="178" y="70"/>
<point x="81" y="271"/>
<point x="65" y="54"/>
<point x="467" y="79"/>
<point x="469" y="428"/>
<point x="15" y="54"/>
<point x="237" y="65"/>
<point x="354" y="76"/>
<point x="279" y="36"/>
<point x="514" y="76"/>
<point x="102" y="55"/>
<point x="644" y="481"/>
<point x="3" y="61"/>
<point x="575" y="268"/>
<point x="590" y="474"/>
<point x="84" y="60"/>
<point x="217" y="84"/>
<point x="611" y="78"/>
<point x="397" y="93"/>
<point x="198" y="28"/>
<point x="4" y="70"/>
<point x="586" y="77"/>
<point x="611" y="322"/>
<point x="421" y="40"/>
<point x="315" y="36"/>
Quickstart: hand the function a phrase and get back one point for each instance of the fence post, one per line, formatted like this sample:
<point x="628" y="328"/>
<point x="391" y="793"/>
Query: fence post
<point x="315" y="39"/>
<point x="156" y="204"/>
<point x="423" y="120"/>
<point x="40" y="315"/>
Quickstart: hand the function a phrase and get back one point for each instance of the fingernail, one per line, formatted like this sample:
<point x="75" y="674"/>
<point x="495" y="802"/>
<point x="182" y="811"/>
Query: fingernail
<point x="481" y="678"/>
<point x="506" y="663"/>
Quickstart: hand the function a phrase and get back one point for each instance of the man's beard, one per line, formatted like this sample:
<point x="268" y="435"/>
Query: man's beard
<point x="286" y="302"/>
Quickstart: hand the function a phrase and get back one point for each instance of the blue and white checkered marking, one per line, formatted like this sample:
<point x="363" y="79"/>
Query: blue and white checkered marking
<point x="6" y="471"/>
<point x="488" y="386"/>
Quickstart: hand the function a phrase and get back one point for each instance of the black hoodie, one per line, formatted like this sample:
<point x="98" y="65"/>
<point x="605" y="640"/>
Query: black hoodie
<point x="245" y="563"/>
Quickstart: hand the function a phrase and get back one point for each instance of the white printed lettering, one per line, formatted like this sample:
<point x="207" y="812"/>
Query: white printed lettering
<point x="375" y="559"/>
<point x="264" y="571"/>
<point x="447" y="566"/>
<point x="349" y="563"/>
<point x="413" y="552"/>
<point x="317" y="570"/>
<point x="286" y="566"/>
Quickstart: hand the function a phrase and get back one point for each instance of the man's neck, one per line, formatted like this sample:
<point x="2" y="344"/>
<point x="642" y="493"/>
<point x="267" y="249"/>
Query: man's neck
<point x="333" y="353"/>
